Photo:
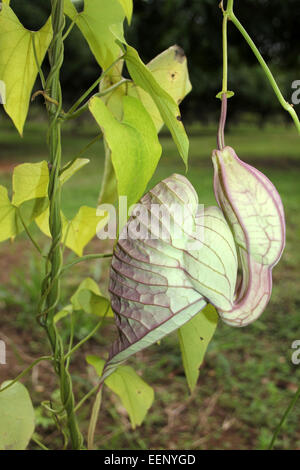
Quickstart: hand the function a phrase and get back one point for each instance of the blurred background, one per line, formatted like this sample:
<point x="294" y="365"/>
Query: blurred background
<point x="248" y="377"/>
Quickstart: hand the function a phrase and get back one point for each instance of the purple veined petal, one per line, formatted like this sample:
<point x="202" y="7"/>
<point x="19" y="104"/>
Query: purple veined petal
<point x="254" y="211"/>
<point x="158" y="283"/>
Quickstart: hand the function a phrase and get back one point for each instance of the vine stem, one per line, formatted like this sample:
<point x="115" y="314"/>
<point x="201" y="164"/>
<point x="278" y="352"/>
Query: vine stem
<point x="51" y="283"/>
<point x="84" y="107"/>
<point x="94" y="418"/>
<point x="285" y="415"/>
<point x="287" y="106"/>
<point x="34" y="242"/>
<point x="85" y="258"/>
<point x="224" y="92"/>
<point x="25" y="371"/>
<point x="92" y="87"/>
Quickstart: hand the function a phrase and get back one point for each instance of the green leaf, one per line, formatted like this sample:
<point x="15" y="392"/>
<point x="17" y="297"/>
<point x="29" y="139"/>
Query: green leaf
<point x="18" y="67"/>
<point x="89" y="298"/>
<point x="17" y="417"/>
<point x="30" y="181"/>
<point x="134" y="145"/>
<point x="194" y="338"/>
<point x="73" y="168"/>
<point x="170" y="70"/>
<point x="7" y="216"/>
<point x="166" y="105"/>
<point x="79" y="231"/>
<point x="67" y="310"/>
<point x="95" y="23"/>
<point x="30" y="190"/>
<point x="83" y="228"/>
<point x="136" y="395"/>
<point x="127" y="7"/>
<point x="69" y="9"/>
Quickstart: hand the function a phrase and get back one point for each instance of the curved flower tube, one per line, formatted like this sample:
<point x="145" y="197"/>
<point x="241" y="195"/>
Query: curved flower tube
<point x="254" y="212"/>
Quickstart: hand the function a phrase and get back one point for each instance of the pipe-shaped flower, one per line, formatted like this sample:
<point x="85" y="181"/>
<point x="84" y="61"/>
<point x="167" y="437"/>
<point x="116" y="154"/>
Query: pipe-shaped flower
<point x="183" y="257"/>
<point x="254" y="212"/>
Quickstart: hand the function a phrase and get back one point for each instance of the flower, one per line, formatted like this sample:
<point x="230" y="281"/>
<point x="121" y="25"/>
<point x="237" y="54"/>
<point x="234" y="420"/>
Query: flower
<point x="255" y="215"/>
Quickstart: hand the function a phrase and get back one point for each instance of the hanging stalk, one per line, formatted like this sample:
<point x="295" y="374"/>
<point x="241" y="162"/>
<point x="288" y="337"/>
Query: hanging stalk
<point x="287" y="106"/>
<point x="224" y="93"/>
<point x="51" y="283"/>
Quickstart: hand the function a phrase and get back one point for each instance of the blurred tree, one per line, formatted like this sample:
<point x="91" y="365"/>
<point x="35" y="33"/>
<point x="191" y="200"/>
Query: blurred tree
<point x="196" y="26"/>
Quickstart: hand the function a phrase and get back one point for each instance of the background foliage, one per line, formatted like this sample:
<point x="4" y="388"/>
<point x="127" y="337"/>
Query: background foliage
<point x="195" y="26"/>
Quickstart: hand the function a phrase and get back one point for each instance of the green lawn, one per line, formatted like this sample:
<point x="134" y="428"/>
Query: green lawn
<point x="247" y="379"/>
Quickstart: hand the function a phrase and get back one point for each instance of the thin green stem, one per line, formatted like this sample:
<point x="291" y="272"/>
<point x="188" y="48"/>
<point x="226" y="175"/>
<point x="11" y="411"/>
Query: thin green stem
<point x="71" y="340"/>
<point x="86" y="397"/>
<point x="39" y="443"/>
<point x="224" y="93"/>
<point x="84" y="108"/>
<point x="85" y="258"/>
<point x="225" y="54"/>
<point x="42" y="77"/>
<point x="51" y="283"/>
<point x="34" y="242"/>
<point x="86" y="338"/>
<point x="73" y="22"/>
<point x="93" y="86"/>
<point x="25" y="371"/>
<point x="285" y="415"/>
<point x="82" y="152"/>
<point x="287" y="106"/>
<point x="94" y="418"/>
<point x="229" y="6"/>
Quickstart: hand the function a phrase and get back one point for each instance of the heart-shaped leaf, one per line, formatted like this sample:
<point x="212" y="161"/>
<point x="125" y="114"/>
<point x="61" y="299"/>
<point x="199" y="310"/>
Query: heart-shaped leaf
<point x="18" y="68"/>
<point x="79" y="231"/>
<point x="194" y="338"/>
<point x="30" y="198"/>
<point x="136" y="395"/>
<point x="95" y="23"/>
<point x="134" y="145"/>
<point x="17" y="417"/>
<point x="169" y="69"/>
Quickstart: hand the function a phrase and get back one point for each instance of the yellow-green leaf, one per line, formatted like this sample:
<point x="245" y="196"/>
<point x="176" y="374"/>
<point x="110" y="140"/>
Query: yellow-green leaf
<point x="30" y="187"/>
<point x="194" y="338"/>
<point x="134" y="145"/>
<point x="30" y="181"/>
<point x="73" y="168"/>
<point x="127" y="7"/>
<point x="66" y="311"/>
<point x="135" y="394"/>
<point x="7" y="216"/>
<point x="16" y="417"/>
<point x="18" y="68"/>
<point x="79" y="231"/>
<point x="170" y="70"/>
<point x="95" y="23"/>
<point x="89" y="298"/>
<point x="166" y="105"/>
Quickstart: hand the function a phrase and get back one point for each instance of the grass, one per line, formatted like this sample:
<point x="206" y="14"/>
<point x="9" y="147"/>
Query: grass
<point x="247" y="379"/>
